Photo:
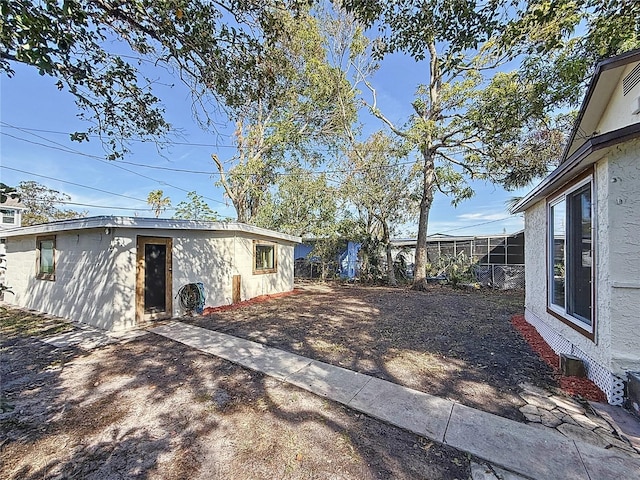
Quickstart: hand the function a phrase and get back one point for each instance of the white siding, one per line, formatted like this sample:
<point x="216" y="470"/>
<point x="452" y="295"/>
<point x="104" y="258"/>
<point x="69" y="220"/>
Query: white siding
<point x="619" y="107"/>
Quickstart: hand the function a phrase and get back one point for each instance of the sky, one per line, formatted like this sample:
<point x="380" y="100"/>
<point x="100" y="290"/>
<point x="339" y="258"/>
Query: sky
<point x="36" y="119"/>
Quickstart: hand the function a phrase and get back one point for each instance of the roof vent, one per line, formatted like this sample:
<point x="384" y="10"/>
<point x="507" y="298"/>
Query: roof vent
<point x="631" y="80"/>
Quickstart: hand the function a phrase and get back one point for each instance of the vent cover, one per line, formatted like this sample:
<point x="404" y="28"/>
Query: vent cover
<point x="631" y="80"/>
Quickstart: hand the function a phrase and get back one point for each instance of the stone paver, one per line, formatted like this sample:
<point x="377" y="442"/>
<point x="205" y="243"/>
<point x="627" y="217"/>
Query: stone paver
<point x="580" y="422"/>
<point x="535" y="451"/>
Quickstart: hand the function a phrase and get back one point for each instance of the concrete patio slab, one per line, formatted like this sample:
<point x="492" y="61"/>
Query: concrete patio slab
<point x="533" y="452"/>
<point x="333" y="382"/>
<point x="603" y="464"/>
<point x="415" y="411"/>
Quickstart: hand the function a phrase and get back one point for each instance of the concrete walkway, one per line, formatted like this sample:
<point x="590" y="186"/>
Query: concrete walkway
<point x="535" y="452"/>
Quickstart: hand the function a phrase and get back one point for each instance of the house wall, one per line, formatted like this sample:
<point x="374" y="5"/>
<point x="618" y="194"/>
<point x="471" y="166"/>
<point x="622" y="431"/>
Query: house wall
<point x="84" y="283"/>
<point x="624" y="256"/>
<point x="96" y="273"/>
<point x="616" y="347"/>
<point x="618" y="112"/>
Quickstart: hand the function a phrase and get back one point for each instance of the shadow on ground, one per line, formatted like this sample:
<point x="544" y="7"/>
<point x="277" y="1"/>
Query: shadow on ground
<point x="152" y="408"/>
<point x="449" y="343"/>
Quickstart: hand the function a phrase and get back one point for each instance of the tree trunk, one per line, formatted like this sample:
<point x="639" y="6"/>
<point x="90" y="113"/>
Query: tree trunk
<point x="428" y="178"/>
<point x="391" y="273"/>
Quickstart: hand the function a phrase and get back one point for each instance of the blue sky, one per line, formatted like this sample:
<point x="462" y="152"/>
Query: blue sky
<point x="34" y="105"/>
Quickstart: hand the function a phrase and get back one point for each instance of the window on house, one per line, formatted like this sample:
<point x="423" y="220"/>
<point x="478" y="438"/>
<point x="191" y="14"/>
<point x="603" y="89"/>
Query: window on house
<point x="571" y="256"/>
<point x="8" y="217"/>
<point x="264" y="257"/>
<point x="46" y="261"/>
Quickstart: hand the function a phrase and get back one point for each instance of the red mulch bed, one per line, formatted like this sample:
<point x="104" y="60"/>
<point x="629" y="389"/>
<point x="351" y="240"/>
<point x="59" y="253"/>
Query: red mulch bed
<point x="261" y="298"/>
<point x="575" y="386"/>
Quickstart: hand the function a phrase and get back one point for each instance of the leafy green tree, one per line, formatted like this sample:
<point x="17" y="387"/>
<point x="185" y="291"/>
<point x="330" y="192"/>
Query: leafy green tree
<point x="303" y="204"/>
<point x="563" y="40"/>
<point x="468" y="117"/>
<point x="382" y="188"/>
<point x="294" y="116"/>
<point x="219" y="45"/>
<point x="158" y="202"/>
<point x="41" y="204"/>
<point x="196" y="209"/>
<point x="7" y="192"/>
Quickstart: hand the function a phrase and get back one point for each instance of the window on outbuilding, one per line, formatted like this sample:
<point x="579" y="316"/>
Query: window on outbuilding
<point x="264" y="257"/>
<point x="570" y="262"/>
<point x="46" y="257"/>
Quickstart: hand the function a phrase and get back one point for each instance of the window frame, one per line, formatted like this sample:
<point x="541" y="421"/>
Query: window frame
<point x="262" y="271"/>
<point x="562" y="313"/>
<point x="8" y="213"/>
<point x="39" y="273"/>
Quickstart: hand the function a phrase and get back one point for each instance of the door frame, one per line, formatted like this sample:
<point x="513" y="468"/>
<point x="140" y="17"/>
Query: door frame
<point x="141" y="241"/>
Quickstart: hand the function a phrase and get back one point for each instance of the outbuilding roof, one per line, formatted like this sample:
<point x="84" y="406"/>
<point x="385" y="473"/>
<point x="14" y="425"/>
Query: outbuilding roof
<point x="145" y="224"/>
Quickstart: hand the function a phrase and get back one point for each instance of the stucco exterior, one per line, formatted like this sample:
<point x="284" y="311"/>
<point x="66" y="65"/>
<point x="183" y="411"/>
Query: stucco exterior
<point x="95" y="273"/>
<point x="611" y="155"/>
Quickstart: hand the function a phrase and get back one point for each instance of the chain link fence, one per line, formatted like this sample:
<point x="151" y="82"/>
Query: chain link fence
<point x="501" y="277"/>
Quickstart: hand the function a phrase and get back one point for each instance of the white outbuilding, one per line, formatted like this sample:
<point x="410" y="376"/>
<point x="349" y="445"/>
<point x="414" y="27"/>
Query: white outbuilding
<point x="119" y="272"/>
<point x="582" y="234"/>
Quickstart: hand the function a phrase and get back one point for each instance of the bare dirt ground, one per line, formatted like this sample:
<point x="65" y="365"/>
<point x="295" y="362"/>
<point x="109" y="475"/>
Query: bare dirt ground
<point x="155" y="409"/>
<point x="456" y="344"/>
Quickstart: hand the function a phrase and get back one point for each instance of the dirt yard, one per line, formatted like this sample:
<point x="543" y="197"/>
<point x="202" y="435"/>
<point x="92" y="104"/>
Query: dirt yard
<point x="155" y="409"/>
<point x="451" y="343"/>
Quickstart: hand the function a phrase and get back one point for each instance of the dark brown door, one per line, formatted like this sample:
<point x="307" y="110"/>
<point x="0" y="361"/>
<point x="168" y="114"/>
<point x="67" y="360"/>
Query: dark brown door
<point x="153" y="282"/>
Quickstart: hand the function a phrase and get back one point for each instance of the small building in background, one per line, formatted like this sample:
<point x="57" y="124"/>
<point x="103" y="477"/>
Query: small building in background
<point x="120" y="272"/>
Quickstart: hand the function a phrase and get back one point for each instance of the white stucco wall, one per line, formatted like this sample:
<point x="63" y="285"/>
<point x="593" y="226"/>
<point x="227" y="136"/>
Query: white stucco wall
<point x="96" y="273"/>
<point x="616" y="346"/>
<point x="83" y="288"/>
<point x="619" y="109"/>
<point x="624" y="256"/>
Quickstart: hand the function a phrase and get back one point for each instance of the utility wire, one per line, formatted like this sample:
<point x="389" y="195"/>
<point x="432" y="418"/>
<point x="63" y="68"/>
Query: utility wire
<point x="480" y="224"/>
<point x="73" y="183"/>
<point x="111" y="207"/>
<point x="108" y="162"/>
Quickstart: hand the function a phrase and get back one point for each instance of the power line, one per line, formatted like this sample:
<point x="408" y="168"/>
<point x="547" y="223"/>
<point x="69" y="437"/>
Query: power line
<point x="480" y="224"/>
<point x="181" y="170"/>
<point x="108" y="162"/>
<point x="111" y="207"/>
<point x="73" y="183"/>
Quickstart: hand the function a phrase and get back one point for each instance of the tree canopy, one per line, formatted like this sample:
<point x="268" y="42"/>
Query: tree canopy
<point x="42" y="204"/>
<point x="216" y="45"/>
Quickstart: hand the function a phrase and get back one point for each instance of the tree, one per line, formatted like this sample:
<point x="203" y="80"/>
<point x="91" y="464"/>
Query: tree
<point x="562" y="41"/>
<point x="304" y="204"/>
<point x="295" y="114"/>
<point x="157" y="202"/>
<point x="196" y="209"/>
<point x="40" y="203"/>
<point x="7" y="192"/>
<point x="468" y="118"/>
<point x="381" y="187"/>
<point x="219" y="44"/>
